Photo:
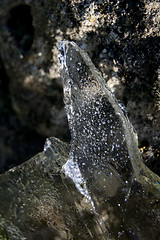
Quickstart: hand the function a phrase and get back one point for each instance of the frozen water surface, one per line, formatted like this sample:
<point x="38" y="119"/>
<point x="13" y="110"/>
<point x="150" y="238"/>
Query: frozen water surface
<point x="101" y="133"/>
<point x="98" y="135"/>
<point x="104" y="148"/>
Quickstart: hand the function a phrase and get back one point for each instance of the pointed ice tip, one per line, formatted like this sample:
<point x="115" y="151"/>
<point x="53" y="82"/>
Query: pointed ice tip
<point x="65" y="43"/>
<point x="61" y="45"/>
<point x="62" y="49"/>
<point x="61" y="53"/>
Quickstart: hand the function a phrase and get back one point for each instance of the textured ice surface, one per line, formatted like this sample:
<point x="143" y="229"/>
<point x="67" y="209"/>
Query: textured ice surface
<point x="98" y="137"/>
<point x="104" y="144"/>
<point x="104" y="161"/>
<point x="72" y="170"/>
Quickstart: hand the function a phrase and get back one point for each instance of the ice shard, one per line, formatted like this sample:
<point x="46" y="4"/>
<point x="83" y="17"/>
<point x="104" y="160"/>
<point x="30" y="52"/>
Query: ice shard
<point x="104" y="143"/>
<point x="102" y="135"/>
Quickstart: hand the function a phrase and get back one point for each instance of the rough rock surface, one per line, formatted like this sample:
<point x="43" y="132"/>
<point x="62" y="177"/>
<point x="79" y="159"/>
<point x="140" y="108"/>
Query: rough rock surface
<point x="122" y="39"/>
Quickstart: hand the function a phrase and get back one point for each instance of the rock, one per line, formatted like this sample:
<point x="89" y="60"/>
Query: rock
<point x="33" y="71"/>
<point x="29" y="199"/>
